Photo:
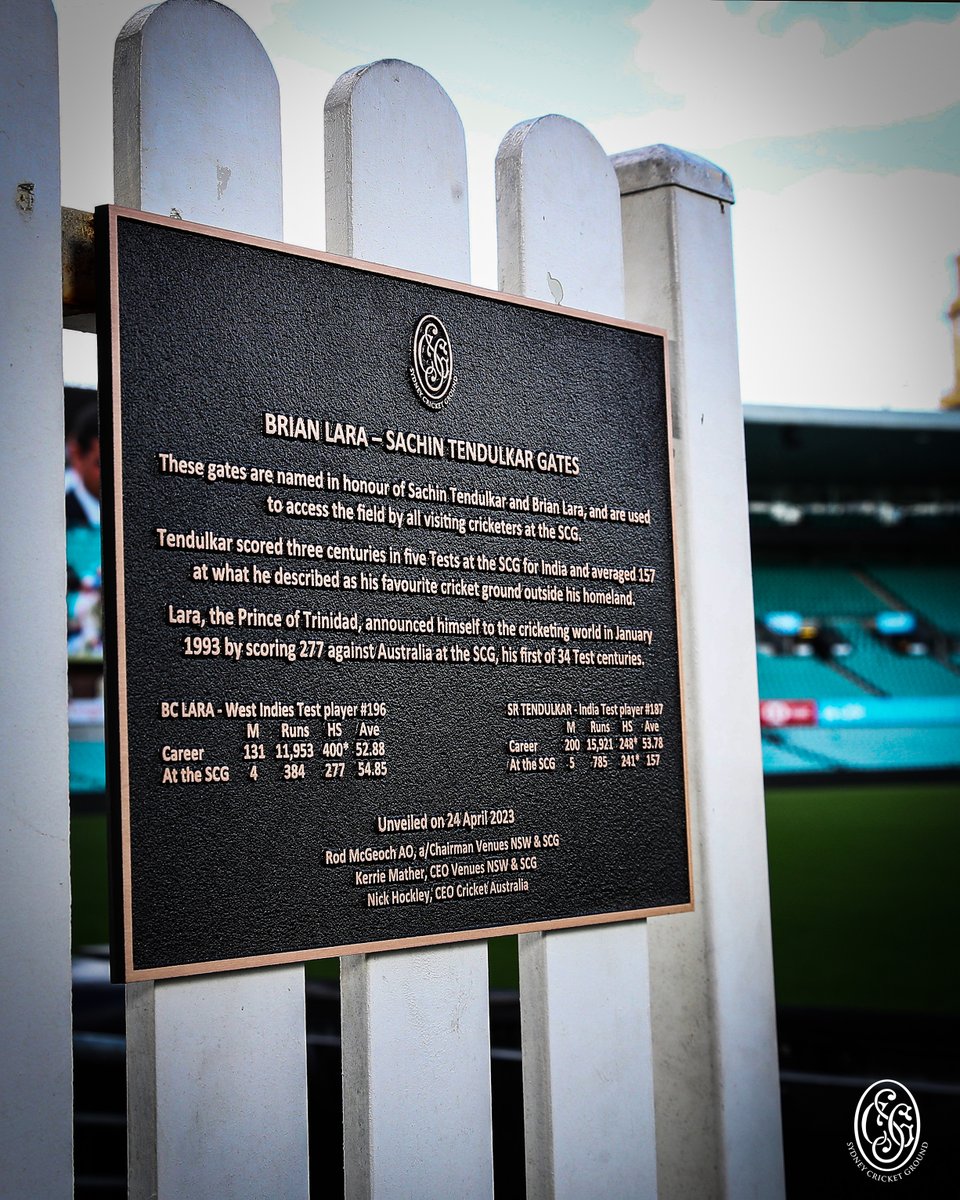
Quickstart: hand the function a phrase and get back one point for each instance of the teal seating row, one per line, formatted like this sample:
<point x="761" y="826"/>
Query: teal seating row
<point x="838" y="597"/>
<point x="863" y="749"/>
<point x="812" y="591"/>
<point x="779" y="759"/>
<point x="790" y="678"/>
<point x="895" y="674"/>
<point x="87" y="767"/>
<point x="932" y="591"/>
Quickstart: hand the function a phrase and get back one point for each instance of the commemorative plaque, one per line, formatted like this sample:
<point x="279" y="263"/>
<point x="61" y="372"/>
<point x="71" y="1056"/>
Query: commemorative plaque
<point x="393" y="656"/>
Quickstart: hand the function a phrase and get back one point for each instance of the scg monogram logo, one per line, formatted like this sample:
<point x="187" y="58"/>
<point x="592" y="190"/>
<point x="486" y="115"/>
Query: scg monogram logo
<point x="431" y="367"/>
<point x="886" y="1128"/>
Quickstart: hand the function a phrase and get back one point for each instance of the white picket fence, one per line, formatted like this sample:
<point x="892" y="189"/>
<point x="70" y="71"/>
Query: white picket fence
<point x="649" y="1055"/>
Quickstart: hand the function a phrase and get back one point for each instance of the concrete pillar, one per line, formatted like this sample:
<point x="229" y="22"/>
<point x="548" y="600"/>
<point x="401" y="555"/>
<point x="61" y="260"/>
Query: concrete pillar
<point x="711" y="974"/>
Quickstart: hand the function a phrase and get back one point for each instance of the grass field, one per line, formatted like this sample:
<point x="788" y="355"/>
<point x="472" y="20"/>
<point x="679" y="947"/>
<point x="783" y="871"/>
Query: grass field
<point x="864" y="886"/>
<point x="865" y="896"/>
<point x="88" y="880"/>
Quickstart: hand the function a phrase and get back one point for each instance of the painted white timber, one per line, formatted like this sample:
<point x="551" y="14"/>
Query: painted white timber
<point x="216" y="1066"/>
<point x="396" y="171"/>
<point x="416" y="1028"/>
<point x="416" y="1074"/>
<point x="219" y="1066"/>
<point x="585" y="1010"/>
<point x="36" y="1099"/>
<point x="558" y="217"/>
<point x="200" y="135"/>
<point x="715" y="1050"/>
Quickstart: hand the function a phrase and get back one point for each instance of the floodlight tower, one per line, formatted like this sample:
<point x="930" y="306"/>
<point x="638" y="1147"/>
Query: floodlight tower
<point x="952" y="399"/>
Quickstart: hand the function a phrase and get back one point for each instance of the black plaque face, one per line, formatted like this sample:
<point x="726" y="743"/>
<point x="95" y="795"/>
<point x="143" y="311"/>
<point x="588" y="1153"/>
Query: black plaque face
<point x="394" y="656"/>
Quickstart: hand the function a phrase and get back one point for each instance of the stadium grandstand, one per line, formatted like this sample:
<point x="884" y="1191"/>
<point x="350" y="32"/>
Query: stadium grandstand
<point x="855" y="530"/>
<point x="855" y="533"/>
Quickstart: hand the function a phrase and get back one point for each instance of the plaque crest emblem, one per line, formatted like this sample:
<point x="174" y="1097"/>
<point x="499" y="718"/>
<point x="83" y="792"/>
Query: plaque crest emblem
<point x="431" y="362"/>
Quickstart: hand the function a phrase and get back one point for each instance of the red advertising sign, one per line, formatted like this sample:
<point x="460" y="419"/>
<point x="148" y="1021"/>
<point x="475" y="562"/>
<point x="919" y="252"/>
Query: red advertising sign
<point x="777" y="713"/>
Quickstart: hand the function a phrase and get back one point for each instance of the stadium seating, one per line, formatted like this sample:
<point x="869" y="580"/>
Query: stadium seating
<point x="847" y="601"/>
<point x="781" y="759"/>
<point x="873" y="749"/>
<point x="795" y="678"/>
<point x="87" y="767"/>
<point x="895" y="674"/>
<point x="827" y="590"/>
<point x="931" y="591"/>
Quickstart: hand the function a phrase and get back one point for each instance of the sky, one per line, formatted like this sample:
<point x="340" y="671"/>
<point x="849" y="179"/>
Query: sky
<point x="839" y="124"/>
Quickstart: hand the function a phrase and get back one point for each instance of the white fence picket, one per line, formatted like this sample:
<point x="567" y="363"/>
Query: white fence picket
<point x="587" y="1070"/>
<point x="558" y="217"/>
<point x="196" y="129"/>
<point x="216" y="1065"/>
<point x="715" y="1050"/>
<point x="396" y="171"/>
<point x="416" y="1038"/>
<point x="36" y="1101"/>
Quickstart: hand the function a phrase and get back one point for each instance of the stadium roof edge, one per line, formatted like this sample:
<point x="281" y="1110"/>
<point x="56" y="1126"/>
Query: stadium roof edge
<point x="853" y="418"/>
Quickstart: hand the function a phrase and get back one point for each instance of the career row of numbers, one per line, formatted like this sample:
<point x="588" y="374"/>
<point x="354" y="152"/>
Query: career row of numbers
<point x="607" y="744"/>
<point x="293" y="751"/>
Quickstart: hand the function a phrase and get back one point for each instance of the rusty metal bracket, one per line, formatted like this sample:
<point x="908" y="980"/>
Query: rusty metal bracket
<point x="79" y="270"/>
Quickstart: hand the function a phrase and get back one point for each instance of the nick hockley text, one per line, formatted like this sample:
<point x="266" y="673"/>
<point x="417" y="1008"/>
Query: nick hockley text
<point x="446" y="891"/>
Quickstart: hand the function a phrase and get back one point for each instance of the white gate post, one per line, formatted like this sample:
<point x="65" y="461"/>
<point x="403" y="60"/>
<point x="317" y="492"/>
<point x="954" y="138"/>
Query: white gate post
<point x="416" y="1033"/>
<point x="217" y="1095"/>
<point x="715" y="1049"/>
<point x="587" y="1071"/>
<point x="36" y="1101"/>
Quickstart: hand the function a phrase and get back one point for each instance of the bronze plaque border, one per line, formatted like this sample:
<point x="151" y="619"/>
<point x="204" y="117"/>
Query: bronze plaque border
<point x="117" y="684"/>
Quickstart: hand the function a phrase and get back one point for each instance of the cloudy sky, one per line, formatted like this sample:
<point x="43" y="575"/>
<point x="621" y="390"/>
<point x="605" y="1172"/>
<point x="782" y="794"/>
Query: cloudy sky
<point x="839" y="124"/>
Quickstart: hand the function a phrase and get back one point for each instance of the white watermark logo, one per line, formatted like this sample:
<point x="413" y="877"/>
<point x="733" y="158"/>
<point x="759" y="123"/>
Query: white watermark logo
<point x="886" y="1130"/>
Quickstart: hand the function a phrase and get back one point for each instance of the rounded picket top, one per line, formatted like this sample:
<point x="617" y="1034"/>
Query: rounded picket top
<point x="396" y="170"/>
<point x="197" y="118"/>
<point x="558" y="216"/>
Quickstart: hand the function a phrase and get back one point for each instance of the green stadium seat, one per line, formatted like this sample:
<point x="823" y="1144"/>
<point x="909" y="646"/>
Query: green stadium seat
<point x="837" y="597"/>
<point x="879" y="749"/>
<point x="813" y="591"/>
<point x="931" y="591"/>
<point x="895" y="674"/>
<point x="779" y="759"/>
<point x="791" y="678"/>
